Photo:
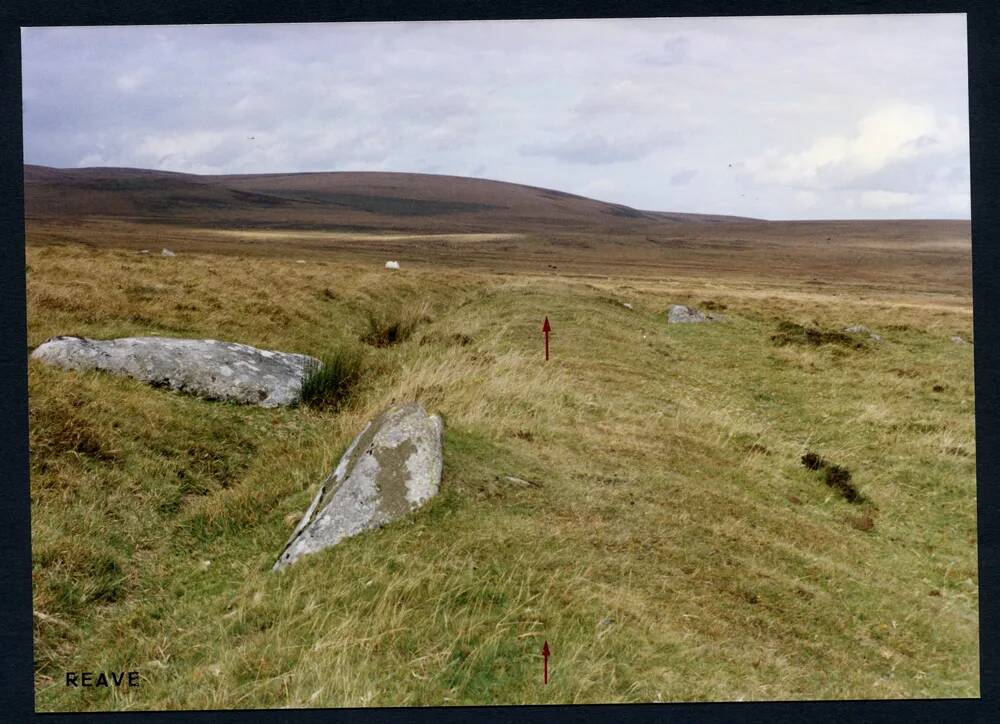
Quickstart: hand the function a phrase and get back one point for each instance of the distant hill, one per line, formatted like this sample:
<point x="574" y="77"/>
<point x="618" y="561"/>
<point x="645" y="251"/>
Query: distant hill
<point x="337" y="200"/>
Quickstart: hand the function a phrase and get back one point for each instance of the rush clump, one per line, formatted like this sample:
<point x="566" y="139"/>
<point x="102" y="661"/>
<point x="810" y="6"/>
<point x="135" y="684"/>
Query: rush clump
<point x="836" y="476"/>
<point x="791" y="333"/>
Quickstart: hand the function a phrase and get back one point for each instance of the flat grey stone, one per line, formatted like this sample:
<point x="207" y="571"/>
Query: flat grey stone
<point x="391" y="468"/>
<point x="205" y="367"/>
<point x="679" y="314"/>
<point x="167" y="252"/>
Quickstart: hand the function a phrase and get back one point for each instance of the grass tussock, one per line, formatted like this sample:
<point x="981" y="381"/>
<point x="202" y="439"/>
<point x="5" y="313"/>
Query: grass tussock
<point x="330" y="383"/>
<point x="64" y="428"/>
<point x="836" y="476"/>
<point x="865" y="523"/>
<point x="386" y="327"/>
<point x="792" y="333"/>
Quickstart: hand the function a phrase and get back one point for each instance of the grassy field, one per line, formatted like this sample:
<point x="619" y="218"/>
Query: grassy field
<point x="669" y="545"/>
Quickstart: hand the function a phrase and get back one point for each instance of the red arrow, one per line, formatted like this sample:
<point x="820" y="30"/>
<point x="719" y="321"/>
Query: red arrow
<point x="546" y="328"/>
<point x="545" y="648"/>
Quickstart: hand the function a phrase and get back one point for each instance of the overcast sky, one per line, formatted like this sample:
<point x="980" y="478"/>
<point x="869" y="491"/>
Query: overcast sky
<point x="790" y="117"/>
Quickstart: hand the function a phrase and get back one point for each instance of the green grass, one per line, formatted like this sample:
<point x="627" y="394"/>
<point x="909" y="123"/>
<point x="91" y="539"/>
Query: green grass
<point x="389" y="326"/>
<point x="673" y="547"/>
<point x="329" y="383"/>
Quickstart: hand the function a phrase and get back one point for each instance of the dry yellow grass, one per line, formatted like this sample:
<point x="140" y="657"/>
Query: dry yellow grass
<point x="284" y="235"/>
<point x="857" y="258"/>
<point x="659" y="548"/>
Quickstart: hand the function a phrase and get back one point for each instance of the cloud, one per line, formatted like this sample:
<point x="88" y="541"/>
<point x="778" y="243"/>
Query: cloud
<point x="597" y="148"/>
<point x="656" y="113"/>
<point x="682" y="177"/>
<point x="132" y="80"/>
<point x="179" y="148"/>
<point x="805" y="199"/>
<point x="429" y="109"/>
<point x="957" y="204"/>
<point x="891" y="134"/>
<point x="672" y="51"/>
<point x="92" y="159"/>
<point x="599" y="188"/>
<point x="881" y="200"/>
<point x="639" y="97"/>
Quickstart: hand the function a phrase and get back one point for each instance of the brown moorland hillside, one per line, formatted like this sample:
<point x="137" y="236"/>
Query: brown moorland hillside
<point x="361" y="200"/>
<point x="428" y="220"/>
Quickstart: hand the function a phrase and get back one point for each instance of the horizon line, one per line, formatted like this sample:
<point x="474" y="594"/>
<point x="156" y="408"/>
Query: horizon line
<point x="737" y="218"/>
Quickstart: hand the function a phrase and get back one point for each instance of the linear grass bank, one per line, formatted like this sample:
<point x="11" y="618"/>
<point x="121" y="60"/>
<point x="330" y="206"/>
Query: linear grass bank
<point x="670" y="544"/>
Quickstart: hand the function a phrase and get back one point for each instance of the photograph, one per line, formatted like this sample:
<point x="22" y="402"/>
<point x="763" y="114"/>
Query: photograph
<point x="453" y="363"/>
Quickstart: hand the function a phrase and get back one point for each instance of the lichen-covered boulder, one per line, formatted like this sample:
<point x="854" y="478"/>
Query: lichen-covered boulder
<point x="679" y="314"/>
<point x="392" y="467"/>
<point x="205" y="367"/>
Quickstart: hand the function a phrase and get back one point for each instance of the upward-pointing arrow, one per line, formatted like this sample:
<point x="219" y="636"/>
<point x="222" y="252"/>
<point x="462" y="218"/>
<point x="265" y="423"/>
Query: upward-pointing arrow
<point x="546" y="328"/>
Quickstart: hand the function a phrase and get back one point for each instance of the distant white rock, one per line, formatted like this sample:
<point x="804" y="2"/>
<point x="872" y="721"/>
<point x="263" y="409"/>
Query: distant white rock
<point x="626" y="305"/>
<point x="143" y="251"/>
<point x="205" y="367"/>
<point x="167" y="252"/>
<point x="959" y="340"/>
<point x="300" y="261"/>
<point x="392" y="265"/>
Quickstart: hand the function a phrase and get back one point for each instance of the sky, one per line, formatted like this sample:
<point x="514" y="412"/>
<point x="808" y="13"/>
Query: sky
<point x="809" y="117"/>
